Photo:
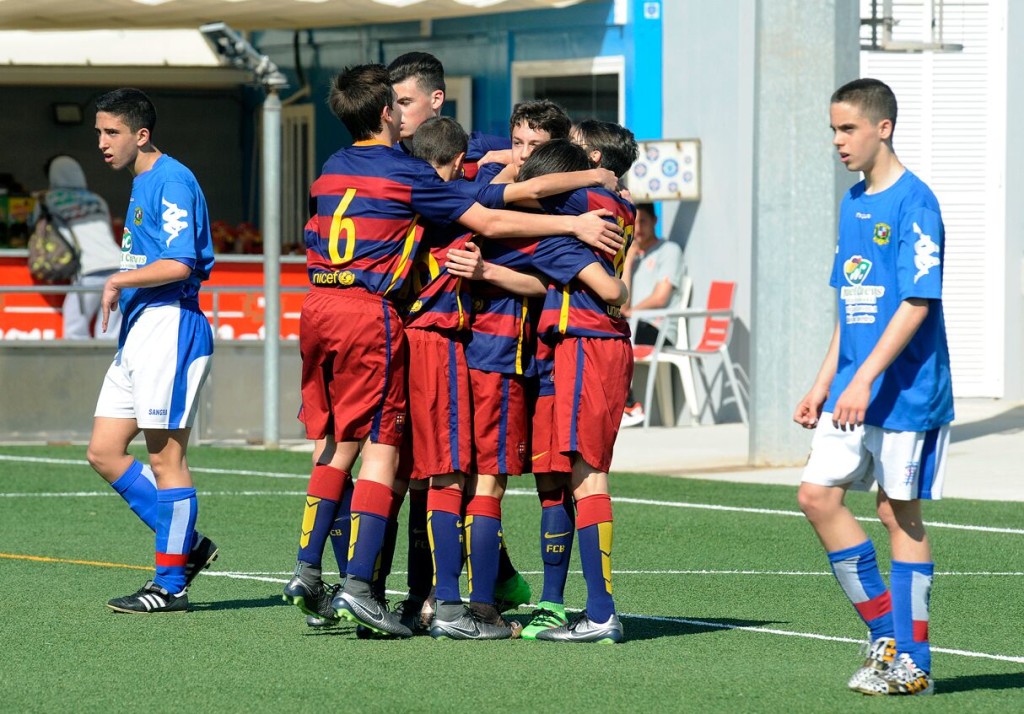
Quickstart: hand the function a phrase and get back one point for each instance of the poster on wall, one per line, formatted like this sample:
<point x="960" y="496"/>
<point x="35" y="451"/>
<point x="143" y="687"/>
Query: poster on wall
<point x="667" y="170"/>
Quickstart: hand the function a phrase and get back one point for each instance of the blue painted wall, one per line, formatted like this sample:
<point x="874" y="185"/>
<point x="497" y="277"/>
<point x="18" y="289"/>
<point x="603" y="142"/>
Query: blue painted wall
<point x="484" y="48"/>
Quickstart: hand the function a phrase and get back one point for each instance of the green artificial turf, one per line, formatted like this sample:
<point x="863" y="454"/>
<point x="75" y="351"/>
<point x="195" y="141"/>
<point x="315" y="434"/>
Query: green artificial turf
<point x="725" y="608"/>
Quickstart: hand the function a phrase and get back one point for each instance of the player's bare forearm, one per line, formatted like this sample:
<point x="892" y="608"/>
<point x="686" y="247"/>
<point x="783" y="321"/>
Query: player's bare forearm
<point x="524" y="284"/>
<point x="554" y="184"/>
<point x="610" y="289"/>
<point x="591" y="228"/>
<point x="161" y="272"/>
<point x="851" y="407"/>
<point x="501" y="156"/>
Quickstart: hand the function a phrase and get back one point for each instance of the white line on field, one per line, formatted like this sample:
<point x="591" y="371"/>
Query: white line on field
<point x="702" y="571"/>
<point x="89" y="494"/>
<point x="527" y="492"/>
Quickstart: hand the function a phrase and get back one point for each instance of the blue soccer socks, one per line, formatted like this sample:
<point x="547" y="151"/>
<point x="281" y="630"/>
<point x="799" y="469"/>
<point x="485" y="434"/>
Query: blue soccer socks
<point x="444" y="528"/>
<point x="557" y="528"/>
<point x="386" y="558"/>
<point x="342" y="527"/>
<point x="322" y="497"/>
<point x="175" y="529"/>
<point x="856" y="569"/>
<point x="371" y="505"/>
<point x="911" y="593"/>
<point x="594" y="524"/>
<point x="137" y="486"/>
<point x="483" y="547"/>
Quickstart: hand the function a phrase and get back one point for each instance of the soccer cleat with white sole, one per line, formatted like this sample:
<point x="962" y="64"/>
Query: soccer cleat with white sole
<point x="880" y="655"/>
<point x="311" y="595"/>
<point x="903" y="677"/>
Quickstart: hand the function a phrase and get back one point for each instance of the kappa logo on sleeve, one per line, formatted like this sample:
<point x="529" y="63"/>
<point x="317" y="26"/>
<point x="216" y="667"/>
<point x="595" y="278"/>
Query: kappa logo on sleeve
<point x="925" y="250"/>
<point x="172" y="217"/>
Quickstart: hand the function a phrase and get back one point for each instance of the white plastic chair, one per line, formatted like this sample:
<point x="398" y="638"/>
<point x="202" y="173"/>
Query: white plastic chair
<point x="714" y="341"/>
<point x="661" y="373"/>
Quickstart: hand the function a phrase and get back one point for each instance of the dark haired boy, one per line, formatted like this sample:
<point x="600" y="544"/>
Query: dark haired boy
<point x="882" y="401"/>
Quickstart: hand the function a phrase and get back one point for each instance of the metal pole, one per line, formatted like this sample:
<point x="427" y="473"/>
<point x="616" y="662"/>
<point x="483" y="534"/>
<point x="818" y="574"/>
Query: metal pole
<point x="271" y="266"/>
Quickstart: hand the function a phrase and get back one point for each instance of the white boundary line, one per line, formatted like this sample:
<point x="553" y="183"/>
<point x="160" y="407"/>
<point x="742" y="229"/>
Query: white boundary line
<point x="687" y="621"/>
<point x="527" y="492"/>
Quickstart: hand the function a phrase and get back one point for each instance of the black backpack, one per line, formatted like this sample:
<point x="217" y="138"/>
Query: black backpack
<point x="51" y="257"/>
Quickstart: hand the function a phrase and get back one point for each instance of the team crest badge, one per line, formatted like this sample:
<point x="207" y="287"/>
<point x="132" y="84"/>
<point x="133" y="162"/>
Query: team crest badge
<point x="882" y="233"/>
<point x="856" y="269"/>
<point x="399" y="423"/>
<point x="347" y="277"/>
<point x="137" y="218"/>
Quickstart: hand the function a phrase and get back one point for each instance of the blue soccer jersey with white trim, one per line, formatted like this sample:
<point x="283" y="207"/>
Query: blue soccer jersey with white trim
<point x="167" y="219"/>
<point x="891" y="248"/>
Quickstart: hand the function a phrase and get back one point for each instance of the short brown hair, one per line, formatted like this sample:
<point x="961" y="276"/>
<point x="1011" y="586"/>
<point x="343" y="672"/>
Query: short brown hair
<point x="358" y="96"/>
<point x="872" y="97"/>
<point x="541" y="115"/>
<point x="439" y="140"/>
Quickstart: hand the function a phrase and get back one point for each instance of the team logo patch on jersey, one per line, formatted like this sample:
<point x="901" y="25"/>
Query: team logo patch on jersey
<point x="347" y="277"/>
<point x="399" y="423"/>
<point x="137" y="217"/>
<point x="924" y="253"/>
<point x="126" y="240"/>
<point x="478" y="305"/>
<point x="856" y="269"/>
<point x="882" y="233"/>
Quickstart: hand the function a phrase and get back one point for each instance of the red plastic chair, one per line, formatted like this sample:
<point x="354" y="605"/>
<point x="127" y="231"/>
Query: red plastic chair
<point x="714" y="341"/>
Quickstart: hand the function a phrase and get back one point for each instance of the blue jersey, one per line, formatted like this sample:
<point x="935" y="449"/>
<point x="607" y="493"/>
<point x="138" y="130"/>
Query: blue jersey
<point x="167" y="219"/>
<point x="891" y="248"/>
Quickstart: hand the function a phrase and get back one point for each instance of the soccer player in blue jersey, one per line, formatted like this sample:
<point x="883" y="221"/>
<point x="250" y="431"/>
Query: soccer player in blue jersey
<point x="164" y="349"/>
<point x="361" y="241"/>
<point x="882" y="401"/>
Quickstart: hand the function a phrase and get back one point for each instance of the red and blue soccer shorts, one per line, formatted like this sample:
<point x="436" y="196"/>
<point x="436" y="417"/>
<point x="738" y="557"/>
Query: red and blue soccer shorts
<point x="440" y="438"/>
<point x="353" y="351"/>
<point x="592" y="377"/>
<point x="546" y="456"/>
<point x="500" y="425"/>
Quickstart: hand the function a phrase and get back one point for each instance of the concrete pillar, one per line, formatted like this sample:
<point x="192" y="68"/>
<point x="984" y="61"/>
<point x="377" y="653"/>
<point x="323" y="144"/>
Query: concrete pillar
<point x="803" y="52"/>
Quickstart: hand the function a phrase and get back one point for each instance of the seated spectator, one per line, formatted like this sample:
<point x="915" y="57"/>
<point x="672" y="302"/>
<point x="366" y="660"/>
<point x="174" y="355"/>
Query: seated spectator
<point x="653" y="272"/>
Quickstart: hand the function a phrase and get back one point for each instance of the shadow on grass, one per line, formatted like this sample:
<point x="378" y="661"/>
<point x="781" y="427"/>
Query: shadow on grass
<point x="651" y="628"/>
<point x="251" y="603"/>
<point x="971" y="682"/>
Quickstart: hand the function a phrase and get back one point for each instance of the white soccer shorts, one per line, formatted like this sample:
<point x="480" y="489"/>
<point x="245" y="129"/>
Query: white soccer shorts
<point x="156" y="377"/>
<point x="908" y="465"/>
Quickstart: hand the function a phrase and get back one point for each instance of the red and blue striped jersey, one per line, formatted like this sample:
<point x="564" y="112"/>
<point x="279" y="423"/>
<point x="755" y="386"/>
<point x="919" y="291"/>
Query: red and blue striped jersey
<point x="502" y="337"/>
<point x="440" y="300"/>
<point x="366" y="209"/>
<point x="570" y="308"/>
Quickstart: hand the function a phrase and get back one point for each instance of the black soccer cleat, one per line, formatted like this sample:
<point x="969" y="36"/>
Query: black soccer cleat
<point x="204" y="551"/>
<point x="150" y="599"/>
<point x="457" y="622"/>
<point x="311" y="596"/>
<point x="357" y="604"/>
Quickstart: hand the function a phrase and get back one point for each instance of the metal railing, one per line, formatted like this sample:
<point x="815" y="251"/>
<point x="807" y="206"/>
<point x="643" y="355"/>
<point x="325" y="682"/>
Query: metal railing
<point x="214" y="291"/>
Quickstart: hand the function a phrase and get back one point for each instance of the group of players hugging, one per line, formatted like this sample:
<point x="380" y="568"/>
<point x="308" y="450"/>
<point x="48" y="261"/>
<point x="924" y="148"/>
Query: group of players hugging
<point x="451" y="343"/>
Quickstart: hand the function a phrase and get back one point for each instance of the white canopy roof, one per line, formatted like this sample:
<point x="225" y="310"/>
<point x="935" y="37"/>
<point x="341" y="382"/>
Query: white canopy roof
<point x="242" y="14"/>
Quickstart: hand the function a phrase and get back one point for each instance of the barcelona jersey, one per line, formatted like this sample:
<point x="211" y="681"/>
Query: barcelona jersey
<point x="367" y="211"/>
<point x="571" y="309"/>
<point x="502" y="335"/>
<point x="440" y="300"/>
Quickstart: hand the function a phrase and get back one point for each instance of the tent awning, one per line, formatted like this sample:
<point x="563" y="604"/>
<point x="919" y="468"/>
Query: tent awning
<point x="242" y="14"/>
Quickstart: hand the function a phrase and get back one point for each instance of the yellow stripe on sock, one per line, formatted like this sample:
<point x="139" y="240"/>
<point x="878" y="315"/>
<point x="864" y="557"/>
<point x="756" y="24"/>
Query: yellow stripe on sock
<point x="308" y="520"/>
<point x="353" y="537"/>
<point x="430" y="540"/>
<point x="604" y="539"/>
<point x="468" y="550"/>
